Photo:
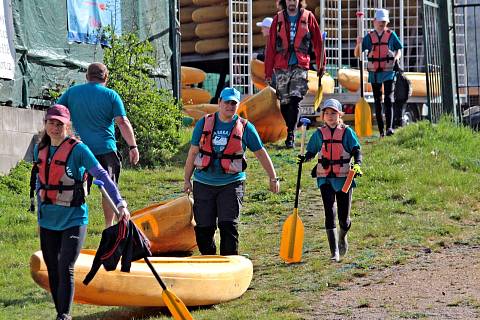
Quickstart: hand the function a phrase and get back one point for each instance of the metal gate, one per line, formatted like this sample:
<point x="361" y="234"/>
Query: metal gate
<point x="433" y="59"/>
<point x="467" y="53"/>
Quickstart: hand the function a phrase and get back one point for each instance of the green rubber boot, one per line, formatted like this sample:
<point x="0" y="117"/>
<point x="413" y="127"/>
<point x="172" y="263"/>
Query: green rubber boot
<point x="342" y="242"/>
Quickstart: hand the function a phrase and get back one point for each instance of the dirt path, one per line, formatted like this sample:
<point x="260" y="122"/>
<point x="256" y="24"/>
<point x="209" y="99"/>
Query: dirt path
<point x="434" y="285"/>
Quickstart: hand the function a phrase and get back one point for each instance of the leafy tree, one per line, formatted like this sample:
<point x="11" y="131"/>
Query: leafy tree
<point x="153" y="112"/>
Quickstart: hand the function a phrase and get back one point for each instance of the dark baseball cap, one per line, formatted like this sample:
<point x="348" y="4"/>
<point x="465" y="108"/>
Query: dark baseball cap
<point x="58" y="112"/>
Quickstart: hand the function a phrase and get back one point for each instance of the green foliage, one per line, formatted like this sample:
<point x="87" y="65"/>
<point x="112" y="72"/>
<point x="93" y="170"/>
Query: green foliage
<point x="153" y="112"/>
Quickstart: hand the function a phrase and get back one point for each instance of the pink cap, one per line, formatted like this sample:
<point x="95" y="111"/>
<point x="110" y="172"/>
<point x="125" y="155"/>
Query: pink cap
<point x="58" y="112"/>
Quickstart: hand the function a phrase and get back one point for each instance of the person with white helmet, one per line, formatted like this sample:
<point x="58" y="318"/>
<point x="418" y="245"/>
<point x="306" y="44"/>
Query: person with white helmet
<point x="265" y="27"/>
<point x="336" y="144"/>
<point x="384" y="52"/>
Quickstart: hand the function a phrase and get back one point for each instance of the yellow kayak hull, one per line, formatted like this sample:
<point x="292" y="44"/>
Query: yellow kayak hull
<point x="168" y="225"/>
<point x="197" y="281"/>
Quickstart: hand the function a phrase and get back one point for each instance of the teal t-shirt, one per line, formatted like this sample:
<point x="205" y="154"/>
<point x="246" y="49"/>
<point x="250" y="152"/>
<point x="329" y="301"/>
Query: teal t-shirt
<point x="55" y="217"/>
<point x="350" y="141"/>
<point x="93" y="108"/>
<point x="393" y="44"/>
<point x="214" y="175"/>
<point x="293" y="60"/>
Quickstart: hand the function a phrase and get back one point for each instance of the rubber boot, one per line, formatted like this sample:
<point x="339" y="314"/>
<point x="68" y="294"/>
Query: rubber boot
<point x="205" y="240"/>
<point x="342" y="242"/>
<point x="228" y="238"/>
<point x="333" y="243"/>
<point x="290" y="141"/>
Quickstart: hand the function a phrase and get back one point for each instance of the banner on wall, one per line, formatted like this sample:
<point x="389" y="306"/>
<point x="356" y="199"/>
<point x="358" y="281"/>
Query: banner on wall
<point x="7" y="47"/>
<point x="88" y="18"/>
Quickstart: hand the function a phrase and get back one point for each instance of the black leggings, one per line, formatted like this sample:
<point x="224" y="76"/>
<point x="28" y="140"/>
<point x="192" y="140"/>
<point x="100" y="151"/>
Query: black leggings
<point x="387" y="101"/>
<point x="60" y="250"/>
<point x="344" y="201"/>
<point x="290" y="112"/>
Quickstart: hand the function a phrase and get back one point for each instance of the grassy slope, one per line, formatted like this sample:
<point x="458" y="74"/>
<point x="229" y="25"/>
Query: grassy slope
<point x="420" y="189"/>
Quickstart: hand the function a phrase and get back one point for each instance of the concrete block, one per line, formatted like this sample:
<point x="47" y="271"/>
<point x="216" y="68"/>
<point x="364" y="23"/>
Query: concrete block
<point x="9" y="118"/>
<point x="30" y="121"/>
<point x="7" y="163"/>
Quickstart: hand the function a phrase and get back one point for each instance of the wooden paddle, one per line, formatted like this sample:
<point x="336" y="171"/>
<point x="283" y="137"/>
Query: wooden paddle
<point x="363" y="113"/>
<point x="291" y="243"/>
<point x="176" y="306"/>
<point x="319" y="94"/>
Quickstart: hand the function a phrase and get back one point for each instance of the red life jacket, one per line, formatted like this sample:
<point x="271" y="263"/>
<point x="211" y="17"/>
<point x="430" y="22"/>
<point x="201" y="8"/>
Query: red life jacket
<point x="56" y="187"/>
<point x="232" y="159"/>
<point x="333" y="159"/>
<point x="380" y="58"/>
<point x="301" y="43"/>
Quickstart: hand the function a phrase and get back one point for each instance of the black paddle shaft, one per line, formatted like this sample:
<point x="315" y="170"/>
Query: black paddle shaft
<point x="299" y="179"/>
<point x="149" y="264"/>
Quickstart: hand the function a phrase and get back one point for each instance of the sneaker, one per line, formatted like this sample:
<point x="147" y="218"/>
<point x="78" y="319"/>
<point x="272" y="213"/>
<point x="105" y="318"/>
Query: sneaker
<point x="390" y="132"/>
<point x="64" y="316"/>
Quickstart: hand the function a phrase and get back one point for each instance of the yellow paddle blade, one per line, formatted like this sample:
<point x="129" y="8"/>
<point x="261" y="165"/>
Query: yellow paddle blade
<point x="291" y="243"/>
<point x="176" y="307"/>
<point x="318" y="98"/>
<point x="363" y="118"/>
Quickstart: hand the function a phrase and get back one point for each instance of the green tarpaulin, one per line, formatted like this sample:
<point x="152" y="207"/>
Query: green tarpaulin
<point x="46" y="60"/>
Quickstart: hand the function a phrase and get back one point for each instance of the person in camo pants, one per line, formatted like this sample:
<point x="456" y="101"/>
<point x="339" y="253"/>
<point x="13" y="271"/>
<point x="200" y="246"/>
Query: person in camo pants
<point x="294" y="31"/>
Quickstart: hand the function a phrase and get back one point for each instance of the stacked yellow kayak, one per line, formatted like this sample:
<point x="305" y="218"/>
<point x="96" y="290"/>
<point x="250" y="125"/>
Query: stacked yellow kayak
<point x="350" y="79"/>
<point x="209" y="21"/>
<point x="197" y="281"/>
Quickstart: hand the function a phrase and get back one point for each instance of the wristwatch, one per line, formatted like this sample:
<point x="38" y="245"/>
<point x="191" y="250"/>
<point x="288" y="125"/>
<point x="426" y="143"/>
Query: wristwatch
<point x="132" y="147"/>
<point x="274" y="179"/>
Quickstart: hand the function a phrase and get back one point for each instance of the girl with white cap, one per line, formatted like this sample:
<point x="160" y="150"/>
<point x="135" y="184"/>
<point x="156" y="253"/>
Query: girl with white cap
<point x="384" y="51"/>
<point x="335" y="143"/>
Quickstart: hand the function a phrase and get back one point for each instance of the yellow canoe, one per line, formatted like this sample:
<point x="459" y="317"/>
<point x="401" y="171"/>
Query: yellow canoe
<point x="190" y="75"/>
<point x="350" y="79"/>
<point x="199" y="280"/>
<point x="195" y="95"/>
<point x="263" y="110"/>
<point x="168" y="225"/>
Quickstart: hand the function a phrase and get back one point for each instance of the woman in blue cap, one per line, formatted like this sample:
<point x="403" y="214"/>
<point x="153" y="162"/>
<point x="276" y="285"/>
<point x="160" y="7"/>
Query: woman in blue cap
<point x="63" y="162"/>
<point x="216" y="160"/>
<point x="384" y="51"/>
<point x="335" y="143"/>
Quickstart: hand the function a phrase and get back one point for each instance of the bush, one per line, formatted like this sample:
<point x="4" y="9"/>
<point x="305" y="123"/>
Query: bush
<point x="153" y="112"/>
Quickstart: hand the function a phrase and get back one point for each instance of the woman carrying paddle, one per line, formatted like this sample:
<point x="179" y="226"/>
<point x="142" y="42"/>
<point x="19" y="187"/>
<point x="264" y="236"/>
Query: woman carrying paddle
<point x="62" y="163"/>
<point x="384" y="50"/>
<point x="335" y="144"/>
<point x="217" y="161"/>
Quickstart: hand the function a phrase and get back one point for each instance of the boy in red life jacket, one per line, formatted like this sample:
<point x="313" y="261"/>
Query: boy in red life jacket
<point x="216" y="160"/>
<point x="335" y="143"/>
<point x="384" y="50"/>
<point x="294" y="31"/>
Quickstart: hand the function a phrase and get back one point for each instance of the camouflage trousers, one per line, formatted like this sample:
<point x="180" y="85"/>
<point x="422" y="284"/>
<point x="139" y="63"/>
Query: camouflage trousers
<point x="291" y="83"/>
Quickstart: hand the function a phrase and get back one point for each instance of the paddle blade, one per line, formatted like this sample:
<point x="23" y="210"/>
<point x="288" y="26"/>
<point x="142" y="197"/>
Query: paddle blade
<point x="348" y="181"/>
<point x="363" y="118"/>
<point x="318" y="98"/>
<point x="176" y="307"/>
<point x="291" y="243"/>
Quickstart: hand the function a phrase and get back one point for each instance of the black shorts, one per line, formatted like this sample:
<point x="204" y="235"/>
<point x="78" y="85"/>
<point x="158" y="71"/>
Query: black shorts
<point x="112" y="163"/>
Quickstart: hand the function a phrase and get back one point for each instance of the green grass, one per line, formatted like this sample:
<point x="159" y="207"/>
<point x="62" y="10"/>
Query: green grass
<point x="419" y="190"/>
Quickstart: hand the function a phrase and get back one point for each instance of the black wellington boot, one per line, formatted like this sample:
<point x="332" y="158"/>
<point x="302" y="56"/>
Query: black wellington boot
<point x="342" y="242"/>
